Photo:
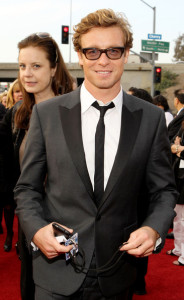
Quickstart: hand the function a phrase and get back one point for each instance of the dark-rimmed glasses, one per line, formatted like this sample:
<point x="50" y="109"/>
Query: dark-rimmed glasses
<point x="95" y="53"/>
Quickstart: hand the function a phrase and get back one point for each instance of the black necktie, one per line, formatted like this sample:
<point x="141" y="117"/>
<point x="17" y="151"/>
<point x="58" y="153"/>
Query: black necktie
<point x="99" y="152"/>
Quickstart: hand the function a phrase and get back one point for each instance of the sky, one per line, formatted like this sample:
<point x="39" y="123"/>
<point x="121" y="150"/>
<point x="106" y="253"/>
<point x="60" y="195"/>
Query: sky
<point x="19" y="18"/>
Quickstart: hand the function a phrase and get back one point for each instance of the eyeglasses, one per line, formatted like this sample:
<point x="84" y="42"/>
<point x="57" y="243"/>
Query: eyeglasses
<point x="95" y="53"/>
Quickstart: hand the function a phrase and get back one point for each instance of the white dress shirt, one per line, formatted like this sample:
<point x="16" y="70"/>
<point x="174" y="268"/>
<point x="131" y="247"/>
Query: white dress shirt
<point x="89" y="119"/>
<point x="112" y="119"/>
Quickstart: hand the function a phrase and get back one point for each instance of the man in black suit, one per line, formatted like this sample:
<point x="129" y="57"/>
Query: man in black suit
<point x="175" y="124"/>
<point x="66" y="179"/>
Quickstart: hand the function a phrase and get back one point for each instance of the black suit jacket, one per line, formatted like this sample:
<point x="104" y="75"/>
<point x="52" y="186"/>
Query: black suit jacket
<point x="54" y="147"/>
<point x="175" y="125"/>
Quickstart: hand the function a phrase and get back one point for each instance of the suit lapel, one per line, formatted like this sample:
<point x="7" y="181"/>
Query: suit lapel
<point x="71" y="123"/>
<point x="130" y="124"/>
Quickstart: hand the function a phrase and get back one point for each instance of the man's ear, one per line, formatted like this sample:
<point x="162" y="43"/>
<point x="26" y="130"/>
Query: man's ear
<point x="80" y="57"/>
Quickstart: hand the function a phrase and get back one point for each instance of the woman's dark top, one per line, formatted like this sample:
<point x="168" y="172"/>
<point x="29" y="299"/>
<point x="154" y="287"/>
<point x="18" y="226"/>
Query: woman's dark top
<point x="10" y="141"/>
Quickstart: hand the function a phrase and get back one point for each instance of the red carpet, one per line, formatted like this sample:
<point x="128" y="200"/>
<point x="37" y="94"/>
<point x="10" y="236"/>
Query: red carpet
<point x="9" y="268"/>
<point x="164" y="280"/>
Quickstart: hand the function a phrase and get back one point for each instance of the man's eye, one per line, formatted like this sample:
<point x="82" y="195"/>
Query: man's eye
<point x="92" y="51"/>
<point x="114" y="51"/>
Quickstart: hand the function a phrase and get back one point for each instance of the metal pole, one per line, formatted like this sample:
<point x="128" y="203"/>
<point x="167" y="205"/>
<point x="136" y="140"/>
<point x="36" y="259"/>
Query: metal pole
<point x="70" y="32"/>
<point x="153" y="53"/>
<point x="147" y="60"/>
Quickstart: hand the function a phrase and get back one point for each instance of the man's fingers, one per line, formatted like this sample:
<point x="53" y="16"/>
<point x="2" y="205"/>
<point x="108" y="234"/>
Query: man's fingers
<point x="141" y="242"/>
<point x="47" y="243"/>
<point x="60" y="248"/>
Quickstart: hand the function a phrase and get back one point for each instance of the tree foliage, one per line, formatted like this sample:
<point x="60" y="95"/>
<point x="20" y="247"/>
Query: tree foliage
<point x="168" y="79"/>
<point x="179" y="48"/>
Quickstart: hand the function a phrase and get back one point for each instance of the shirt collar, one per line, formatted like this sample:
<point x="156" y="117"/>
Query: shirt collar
<point x="179" y="111"/>
<point x="86" y="104"/>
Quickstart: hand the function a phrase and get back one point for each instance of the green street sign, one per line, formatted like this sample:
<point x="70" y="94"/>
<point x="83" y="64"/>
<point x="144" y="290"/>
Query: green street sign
<point x="156" y="46"/>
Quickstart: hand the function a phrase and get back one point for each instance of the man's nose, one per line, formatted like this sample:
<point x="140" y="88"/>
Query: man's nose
<point x="103" y="59"/>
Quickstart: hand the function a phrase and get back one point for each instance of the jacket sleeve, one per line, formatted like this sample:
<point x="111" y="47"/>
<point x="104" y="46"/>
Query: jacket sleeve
<point x="160" y="183"/>
<point x="30" y="186"/>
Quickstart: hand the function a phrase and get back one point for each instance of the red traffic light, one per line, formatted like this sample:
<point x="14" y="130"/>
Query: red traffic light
<point x="158" y="70"/>
<point x="157" y="74"/>
<point x="66" y="29"/>
<point x="65" y="34"/>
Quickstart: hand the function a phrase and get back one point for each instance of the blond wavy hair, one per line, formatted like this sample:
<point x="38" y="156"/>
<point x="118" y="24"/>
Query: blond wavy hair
<point x="4" y="94"/>
<point x="10" y="100"/>
<point x="103" y="18"/>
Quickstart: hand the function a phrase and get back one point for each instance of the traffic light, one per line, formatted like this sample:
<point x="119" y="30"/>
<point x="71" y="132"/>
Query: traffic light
<point x="157" y="74"/>
<point x="65" y="34"/>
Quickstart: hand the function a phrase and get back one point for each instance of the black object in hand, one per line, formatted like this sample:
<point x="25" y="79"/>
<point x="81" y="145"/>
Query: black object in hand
<point x="58" y="229"/>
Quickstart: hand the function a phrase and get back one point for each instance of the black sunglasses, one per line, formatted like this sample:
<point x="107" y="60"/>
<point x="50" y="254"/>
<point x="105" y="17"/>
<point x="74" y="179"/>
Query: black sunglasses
<point x="95" y="53"/>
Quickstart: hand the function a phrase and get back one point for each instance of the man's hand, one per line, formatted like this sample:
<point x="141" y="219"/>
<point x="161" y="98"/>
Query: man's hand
<point x="44" y="239"/>
<point x="141" y="242"/>
<point x="177" y="140"/>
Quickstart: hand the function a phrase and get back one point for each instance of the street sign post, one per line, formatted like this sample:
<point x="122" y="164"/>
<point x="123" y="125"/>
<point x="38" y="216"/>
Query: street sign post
<point x="155" y="46"/>
<point x="154" y="36"/>
<point x="147" y="56"/>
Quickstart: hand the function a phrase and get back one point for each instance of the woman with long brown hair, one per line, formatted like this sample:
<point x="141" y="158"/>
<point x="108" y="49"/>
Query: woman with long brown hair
<point x="42" y="75"/>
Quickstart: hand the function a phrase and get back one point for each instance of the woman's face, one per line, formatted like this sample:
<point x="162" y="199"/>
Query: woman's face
<point x="17" y="94"/>
<point x="35" y="72"/>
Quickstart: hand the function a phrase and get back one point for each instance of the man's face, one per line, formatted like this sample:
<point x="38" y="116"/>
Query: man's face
<point x="103" y="73"/>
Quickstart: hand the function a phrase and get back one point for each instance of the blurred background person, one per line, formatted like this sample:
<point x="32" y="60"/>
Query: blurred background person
<point x="3" y="98"/>
<point x="14" y="94"/>
<point x="2" y="113"/>
<point x="175" y="124"/>
<point x="174" y="127"/>
<point x="42" y="75"/>
<point x="162" y="102"/>
<point x="6" y="163"/>
<point x="140" y="93"/>
<point x="177" y="148"/>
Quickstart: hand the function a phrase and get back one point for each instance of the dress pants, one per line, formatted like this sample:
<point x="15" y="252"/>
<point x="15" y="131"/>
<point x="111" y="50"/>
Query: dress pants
<point x="89" y="290"/>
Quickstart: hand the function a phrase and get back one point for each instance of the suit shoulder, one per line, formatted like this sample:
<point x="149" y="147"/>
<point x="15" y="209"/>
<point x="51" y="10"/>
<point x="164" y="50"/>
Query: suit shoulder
<point x="67" y="100"/>
<point x="137" y="103"/>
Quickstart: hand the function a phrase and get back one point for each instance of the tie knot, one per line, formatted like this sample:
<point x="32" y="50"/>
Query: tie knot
<point x="104" y="108"/>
